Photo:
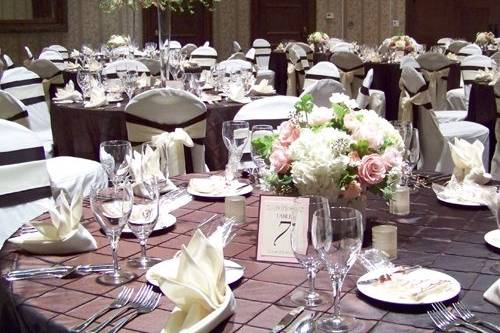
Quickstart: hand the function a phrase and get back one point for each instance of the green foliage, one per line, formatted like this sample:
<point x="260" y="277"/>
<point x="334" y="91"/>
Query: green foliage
<point x="339" y="111"/>
<point x="361" y="147"/>
<point x="263" y="145"/>
<point x="282" y="184"/>
<point x="305" y="104"/>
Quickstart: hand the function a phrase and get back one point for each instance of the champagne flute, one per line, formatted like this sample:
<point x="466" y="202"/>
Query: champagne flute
<point x="115" y="156"/>
<point x="112" y="208"/>
<point x="337" y="236"/>
<point x="235" y="136"/>
<point x="261" y="164"/>
<point x="301" y="239"/>
<point x="413" y="156"/>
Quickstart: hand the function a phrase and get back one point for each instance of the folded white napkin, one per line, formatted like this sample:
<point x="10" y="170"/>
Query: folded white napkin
<point x="97" y="98"/>
<point x="143" y="81"/>
<point x="62" y="234"/>
<point x="468" y="162"/>
<point x="197" y="288"/>
<point x="68" y="93"/>
<point x="152" y="168"/>
<point x="263" y="88"/>
<point x="237" y="94"/>
<point x="75" y="53"/>
<point x="94" y="66"/>
<point x="492" y="294"/>
<point x="71" y="65"/>
<point x="280" y="47"/>
<point x="452" y="56"/>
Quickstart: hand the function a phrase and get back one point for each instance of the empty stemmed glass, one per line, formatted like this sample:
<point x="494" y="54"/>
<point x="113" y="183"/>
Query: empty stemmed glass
<point x="112" y="208"/>
<point x="115" y="156"/>
<point x="405" y="129"/>
<point x="235" y="136"/>
<point x="337" y="235"/>
<point x="130" y="83"/>
<point x="412" y="156"/>
<point x="260" y="132"/>
<point x="83" y="80"/>
<point x="302" y="243"/>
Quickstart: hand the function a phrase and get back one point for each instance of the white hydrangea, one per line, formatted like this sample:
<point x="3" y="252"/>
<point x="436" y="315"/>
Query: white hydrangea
<point x="338" y="98"/>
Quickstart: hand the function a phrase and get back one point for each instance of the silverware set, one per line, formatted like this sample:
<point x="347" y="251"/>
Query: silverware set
<point x="144" y="301"/>
<point x="59" y="272"/>
<point x="446" y="320"/>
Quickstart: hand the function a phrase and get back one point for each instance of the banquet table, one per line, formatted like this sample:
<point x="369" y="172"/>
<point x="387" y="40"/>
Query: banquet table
<point x="437" y="236"/>
<point x="78" y="131"/>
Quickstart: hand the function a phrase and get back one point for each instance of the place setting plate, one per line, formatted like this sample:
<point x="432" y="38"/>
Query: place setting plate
<point x="492" y="238"/>
<point x="238" y="188"/>
<point x="165" y="221"/>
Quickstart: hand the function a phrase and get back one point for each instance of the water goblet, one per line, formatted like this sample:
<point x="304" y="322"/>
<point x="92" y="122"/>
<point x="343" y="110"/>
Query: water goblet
<point x="83" y="81"/>
<point x="130" y="83"/>
<point x="115" y="156"/>
<point x="112" y="208"/>
<point x="412" y="157"/>
<point x="260" y="132"/>
<point x="235" y="136"/>
<point x="337" y="236"/>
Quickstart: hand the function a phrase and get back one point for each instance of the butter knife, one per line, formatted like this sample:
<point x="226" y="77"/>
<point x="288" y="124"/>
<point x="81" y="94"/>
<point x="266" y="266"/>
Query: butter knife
<point x="287" y="319"/>
<point x="402" y="270"/>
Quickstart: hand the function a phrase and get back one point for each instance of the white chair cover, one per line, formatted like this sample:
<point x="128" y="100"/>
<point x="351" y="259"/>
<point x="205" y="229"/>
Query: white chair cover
<point x="322" y="90"/>
<point x="343" y="47"/>
<point x="13" y="109"/>
<point x="62" y="51"/>
<point x="308" y="50"/>
<point x="261" y="73"/>
<point x="409" y="60"/>
<point x="435" y="69"/>
<point x="238" y="56"/>
<point x="456" y="46"/>
<point x="351" y="70"/>
<point x="496" y="57"/>
<point x="152" y="65"/>
<point x="262" y="52"/>
<point x="297" y="65"/>
<point x="371" y="98"/>
<point x="468" y="50"/>
<point x="174" y="45"/>
<point x="204" y="56"/>
<point x="322" y="70"/>
<point x="8" y="62"/>
<point x="444" y="42"/>
<point x="188" y="49"/>
<point x="334" y="41"/>
<point x="54" y="57"/>
<point x="157" y="111"/>
<point x="434" y="136"/>
<point x="127" y="64"/>
<point x="495" y="162"/>
<point x="233" y="65"/>
<point x="29" y="54"/>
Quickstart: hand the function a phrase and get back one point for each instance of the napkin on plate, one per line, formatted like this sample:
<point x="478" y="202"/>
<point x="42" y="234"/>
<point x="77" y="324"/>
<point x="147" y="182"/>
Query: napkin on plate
<point x="143" y="81"/>
<point x="237" y="94"/>
<point x="210" y="185"/>
<point x="263" y="88"/>
<point x="97" y="98"/>
<point x="68" y="93"/>
<point x="468" y="161"/>
<point x="492" y="294"/>
<point x="61" y="234"/>
<point x="197" y="288"/>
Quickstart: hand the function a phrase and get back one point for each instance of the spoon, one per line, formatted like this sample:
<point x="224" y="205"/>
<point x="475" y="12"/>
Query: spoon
<point x="307" y="325"/>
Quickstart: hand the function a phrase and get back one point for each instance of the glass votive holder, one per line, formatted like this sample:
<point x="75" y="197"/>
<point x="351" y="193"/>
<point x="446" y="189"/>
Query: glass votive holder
<point x="385" y="238"/>
<point x="234" y="207"/>
<point x="400" y="202"/>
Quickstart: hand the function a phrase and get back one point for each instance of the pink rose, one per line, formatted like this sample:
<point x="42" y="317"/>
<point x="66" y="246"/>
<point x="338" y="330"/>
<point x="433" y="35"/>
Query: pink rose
<point x="289" y="132"/>
<point x="279" y="159"/>
<point x="392" y="158"/>
<point x="352" y="191"/>
<point x="374" y="137"/>
<point x="372" y="169"/>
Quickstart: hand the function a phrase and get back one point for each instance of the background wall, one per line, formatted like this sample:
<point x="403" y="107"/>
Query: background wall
<point x="366" y="21"/>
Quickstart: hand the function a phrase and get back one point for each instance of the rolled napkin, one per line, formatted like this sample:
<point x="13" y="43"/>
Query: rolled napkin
<point x="143" y="81"/>
<point x="468" y="162"/>
<point x="198" y="287"/>
<point x="62" y="234"/>
<point x="68" y="93"/>
<point x="263" y="88"/>
<point x="237" y="94"/>
<point x="97" y="98"/>
<point x="492" y="294"/>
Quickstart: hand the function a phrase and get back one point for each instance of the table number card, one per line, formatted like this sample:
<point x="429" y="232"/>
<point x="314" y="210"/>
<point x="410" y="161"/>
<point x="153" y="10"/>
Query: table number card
<point x="278" y="217"/>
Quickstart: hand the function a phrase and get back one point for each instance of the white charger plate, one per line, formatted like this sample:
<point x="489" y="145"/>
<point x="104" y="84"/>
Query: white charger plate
<point x="165" y="221"/>
<point x="227" y="193"/>
<point x="378" y="292"/>
<point x="234" y="271"/>
<point x="458" y="202"/>
<point x="493" y="238"/>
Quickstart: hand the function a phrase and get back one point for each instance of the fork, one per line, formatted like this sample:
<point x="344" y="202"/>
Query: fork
<point x="149" y="305"/>
<point x="443" y="324"/>
<point x="464" y="313"/>
<point x="120" y="301"/>
<point x="454" y="320"/>
<point x="141" y="295"/>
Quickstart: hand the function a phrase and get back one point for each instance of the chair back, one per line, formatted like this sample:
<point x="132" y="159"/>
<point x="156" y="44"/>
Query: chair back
<point x="54" y="57"/>
<point x="238" y="56"/>
<point x="125" y="64"/>
<point x="322" y="70"/>
<point x="468" y="50"/>
<point x="322" y="90"/>
<point x="343" y="47"/>
<point x="363" y="98"/>
<point x="444" y="42"/>
<point x="308" y="50"/>
<point x="351" y="71"/>
<point x="408" y="60"/>
<point x="262" y="52"/>
<point x="61" y="50"/>
<point x="152" y="65"/>
<point x="456" y="46"/>
<point x="204" y="56"/>
<point x="234" y="65"/>
<point x="471" y="65"/>
<point x="174" y="45"/>
<point x="435" y="67"/>
<point x="29" y="54"/>
<point x="188" y="49"/>
<point x="257" y="112"/>
<point x="8" y="63"/>
<point x="297" y="66"/>
<point x="13" y="109"/>
<point x="157" y="111"/>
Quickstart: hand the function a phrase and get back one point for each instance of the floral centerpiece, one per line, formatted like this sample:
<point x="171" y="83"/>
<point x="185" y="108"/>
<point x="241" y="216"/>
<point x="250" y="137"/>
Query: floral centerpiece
<point x="336" y="152"/>
<point x="485" y="38"/>
<point x="402" y="43"/>
<point x="117" y="41"/>
<point x="317" y="40"/>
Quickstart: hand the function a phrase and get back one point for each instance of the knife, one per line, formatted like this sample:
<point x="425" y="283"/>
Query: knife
<point x="47" y="271"/>
<point x="287" y="319"/>
<point x="388" y="276"/>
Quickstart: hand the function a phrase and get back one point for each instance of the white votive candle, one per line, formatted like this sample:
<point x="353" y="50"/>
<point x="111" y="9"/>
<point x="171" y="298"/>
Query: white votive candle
<point x="400" y="202"/>
<point x="235" y="207"/>
<point x="385" y="238"/>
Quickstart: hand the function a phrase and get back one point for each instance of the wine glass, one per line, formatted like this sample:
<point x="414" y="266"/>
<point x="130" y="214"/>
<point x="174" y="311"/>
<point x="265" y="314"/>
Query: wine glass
<point x="83" y="80"/>
<point x="301" y="239"/>
<point x="130" y="83"/>
<point x="337" y="236"/>
<point x="260" y="132"/>
<point x="115" y="156"/>
<point x="235" y="136"/>
<point x="112" y="208"/>
<point x="413" y="155"/>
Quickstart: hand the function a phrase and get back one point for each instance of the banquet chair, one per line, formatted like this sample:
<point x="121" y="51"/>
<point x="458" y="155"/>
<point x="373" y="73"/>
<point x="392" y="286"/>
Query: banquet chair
<point x="433" y="135"/>
<point x="27" y="87"/>
<point x="61" y="50"/>
<point x="322" y="70"/>
<point x="234" y="65"/>
<point x="110" y="70"/>
<point x="409" y="60"/>
<point x="54" y="57"/>
<point x="204" y="56"/>
<point x="28" y="180"/>
<point x="297" y="66"/>
<point x="52" y="76"/>
<point x="188" y="49"/>
<point x="174" y="45"/>
<point x="261" y="73"/>
<point x="495" y="162"/>
<point x="322" y="90"/>
<point x="153" y="65"/>
<point x="13" y="109"/>
<point x="371" y="98"/>
<point x="29" y="54"/>
<point x="8" y="63"/>
<point x="236" y="47"/>
<point x="456" y="46"/>
<point x="496" y="57"/>
<point x="468" y="50"/>
<point x="262" y="52"/>
<point x="458" y="99"/>
<point x="161" y="110"/>
<point x="343" y="47"/>
<point x="334" y="41"/>
<point x="435" y="68"/>
<point x="444" y="43"/>
<point x="308" y="50"/>
<point x="351" y="69"/>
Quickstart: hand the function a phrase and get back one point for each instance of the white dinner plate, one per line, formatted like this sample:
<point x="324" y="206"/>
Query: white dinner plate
<point x="458" y="202"/>
<point x="114" y="99"/>
<point x="165" y="221"/>
<point x="382" y="292"/>
<point x="493" y="238"/>
<point x="234" y="271"/>
<point x="226" y="193"/>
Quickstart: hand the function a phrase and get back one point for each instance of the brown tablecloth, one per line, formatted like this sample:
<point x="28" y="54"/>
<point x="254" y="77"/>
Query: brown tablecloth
<point x="78" y="131"/>
<point x="278" y="64"/>
<point x="440" y="237"/>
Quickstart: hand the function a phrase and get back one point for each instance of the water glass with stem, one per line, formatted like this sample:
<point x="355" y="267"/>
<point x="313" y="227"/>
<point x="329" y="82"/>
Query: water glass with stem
<point x="412" y="156"/>
<point x="235" y="135"/>
<point x="112" y="208"/>
<point x="154" y="163"/>
<point x="338" y="236"/>
<point x="130" y="83"/>
<point x="83" y="80"/>
<point x="260" y="132"/>
<point x="302" y="244"/>
<point x="115" y="156"/>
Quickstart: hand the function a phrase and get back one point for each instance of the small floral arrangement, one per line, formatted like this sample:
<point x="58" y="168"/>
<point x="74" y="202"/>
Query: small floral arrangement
<point x="485" y="38"/>
<point x="335" y="152"/>
<point x="117" y="41"/>
<point x="318" y="37"/>
<point x="175" y="5"/>
<point x="402" y="43"/>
